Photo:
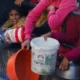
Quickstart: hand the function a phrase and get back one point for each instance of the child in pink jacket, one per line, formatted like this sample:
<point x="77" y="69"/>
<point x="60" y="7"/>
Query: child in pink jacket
<point x="71" y="55"/>
<point x="72" y="37"/>
<point x="55" y="17"/>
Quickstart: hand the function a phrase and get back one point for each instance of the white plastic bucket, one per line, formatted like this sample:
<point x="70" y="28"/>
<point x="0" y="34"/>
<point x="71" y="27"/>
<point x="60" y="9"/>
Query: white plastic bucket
<point x="44" y="55"/>
<point x="16" y="35"/>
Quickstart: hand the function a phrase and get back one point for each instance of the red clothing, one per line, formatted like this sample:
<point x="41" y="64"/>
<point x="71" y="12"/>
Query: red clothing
<point x="71" y="36"/>
<point x="55" y="20"/>
<point x="73" y="54"/>
<point x="34" y="1"/>
<point x="72" y="33"/>
<point x="55" y="17"/>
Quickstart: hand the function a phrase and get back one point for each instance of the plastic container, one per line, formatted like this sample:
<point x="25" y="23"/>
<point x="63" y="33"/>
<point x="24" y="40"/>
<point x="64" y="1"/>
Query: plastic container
<point x="16" y="35"/>
<point x="19" y="66"/>
<point x="44" y="55"/>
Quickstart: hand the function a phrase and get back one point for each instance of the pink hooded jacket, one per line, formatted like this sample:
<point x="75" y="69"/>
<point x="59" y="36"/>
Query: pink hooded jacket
<point x="55" y="17"/>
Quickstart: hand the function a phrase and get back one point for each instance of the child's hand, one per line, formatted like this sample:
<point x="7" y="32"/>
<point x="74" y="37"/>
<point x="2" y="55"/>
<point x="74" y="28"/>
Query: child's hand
<point x="26" y="44"/>
<point x="46" y="35"/>
<point x="4" y="29"/>
<point x="50" y="7"/>
<point x="18" y="2"/>
<point x="64" y="64"/>
<point x="7" y="38"/>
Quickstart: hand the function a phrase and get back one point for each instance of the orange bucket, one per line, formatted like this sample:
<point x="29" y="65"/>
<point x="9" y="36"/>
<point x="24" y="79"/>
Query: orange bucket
<point x="19" y="66"/>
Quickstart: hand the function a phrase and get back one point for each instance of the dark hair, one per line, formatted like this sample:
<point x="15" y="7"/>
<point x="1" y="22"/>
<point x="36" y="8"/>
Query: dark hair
<point x="17" y="8"/>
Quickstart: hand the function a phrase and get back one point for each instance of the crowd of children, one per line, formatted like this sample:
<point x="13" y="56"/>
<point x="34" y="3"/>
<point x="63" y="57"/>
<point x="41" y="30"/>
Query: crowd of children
<point x="57" y="11"/>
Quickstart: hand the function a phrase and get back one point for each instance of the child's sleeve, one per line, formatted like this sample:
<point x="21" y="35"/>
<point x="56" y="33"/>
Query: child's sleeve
<point x="74" y="54"/>
<point x="33" y="17"/>
<point x="56" y="17"/>
<point x="6" y="24"/>
<point x="63" y="37"/>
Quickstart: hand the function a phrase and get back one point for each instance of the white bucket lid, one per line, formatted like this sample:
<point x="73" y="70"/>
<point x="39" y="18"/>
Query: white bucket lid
<point x="50" y="43"/>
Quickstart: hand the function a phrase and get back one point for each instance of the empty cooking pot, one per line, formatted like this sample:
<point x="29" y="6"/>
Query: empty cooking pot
<point x="72" y="73"/>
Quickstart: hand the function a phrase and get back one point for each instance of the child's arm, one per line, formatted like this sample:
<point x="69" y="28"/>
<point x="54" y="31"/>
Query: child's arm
<point x="56" y="17"/>
<point x="64" y="37"/>
<point x="74" y="54"/>
<point x="6" y="24"/>
<point x="47" y="35"/>
<point x="18" y="2"/>
<point x="70" y="56"/>
<point x="33" y="16"/>
<point x="60" y="36"/>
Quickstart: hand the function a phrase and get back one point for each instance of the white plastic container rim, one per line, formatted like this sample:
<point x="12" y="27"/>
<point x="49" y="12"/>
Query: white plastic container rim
<point x="40" y="43"/>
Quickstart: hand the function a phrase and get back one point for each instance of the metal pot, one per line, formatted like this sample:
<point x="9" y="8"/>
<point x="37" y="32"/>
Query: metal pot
<point x="72" y="73"/>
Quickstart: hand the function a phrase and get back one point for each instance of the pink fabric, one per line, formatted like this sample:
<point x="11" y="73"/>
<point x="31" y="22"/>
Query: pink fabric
<point x="55" y="20"/>
<point x="73" y="54"/>
<point x="71" y="36"/>
<point x="55" y="17"/>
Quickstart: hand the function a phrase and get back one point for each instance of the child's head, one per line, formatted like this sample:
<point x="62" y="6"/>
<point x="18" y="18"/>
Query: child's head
<point x="15" y="14"/>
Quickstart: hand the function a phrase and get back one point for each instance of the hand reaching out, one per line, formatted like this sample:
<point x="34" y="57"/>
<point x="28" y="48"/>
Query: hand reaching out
<point x="50" y="7"/>
<point x="46" y="35"/>
<point x="18" y="2"/>
<point x="26" y="44"/>
<point x="64" y="64"/>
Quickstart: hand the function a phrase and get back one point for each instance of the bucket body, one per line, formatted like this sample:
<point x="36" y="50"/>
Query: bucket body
<point x="44" y="55"/>
<point x="16" y="35"/>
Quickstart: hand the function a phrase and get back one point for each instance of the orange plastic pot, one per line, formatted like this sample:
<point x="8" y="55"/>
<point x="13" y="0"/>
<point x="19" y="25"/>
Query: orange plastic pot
<point x="19" y="66"/>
